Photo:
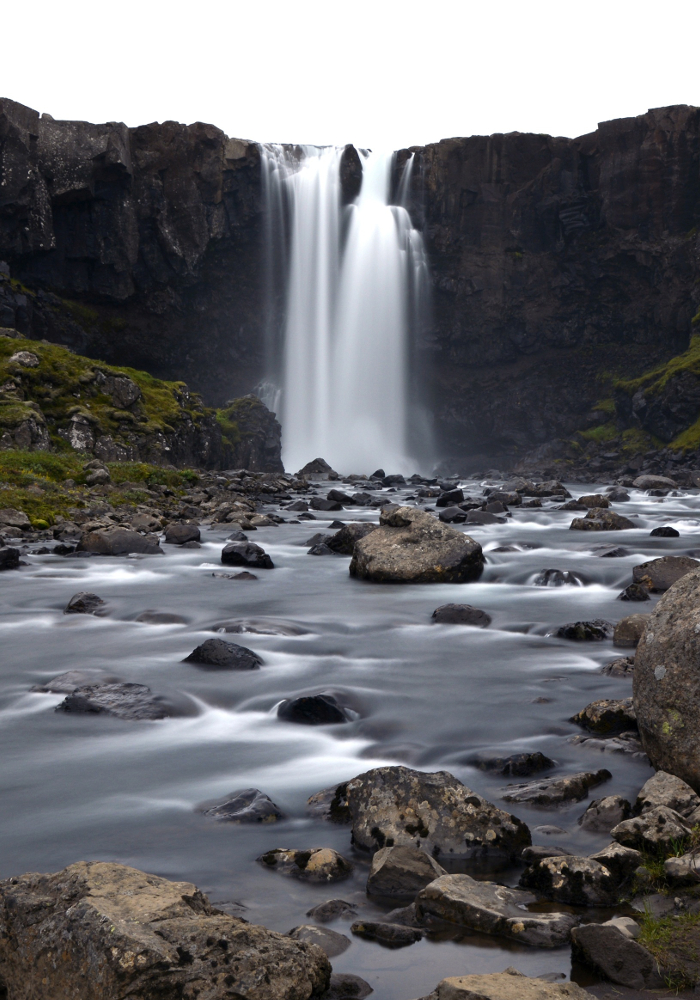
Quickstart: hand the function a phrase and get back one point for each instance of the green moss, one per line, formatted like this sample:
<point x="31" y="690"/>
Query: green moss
<point x="601" y="434"/>
<point x="150" y="475"/>
<point x="675" y="944"/>
<point x="695" y="321"/>
<point x="605" y="406"/>
<point x="81" y="313"/>
<point x="23" y="467"/>
<point x="655" y="380"/>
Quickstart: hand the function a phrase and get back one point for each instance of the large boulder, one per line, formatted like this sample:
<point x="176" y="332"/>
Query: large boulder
<point x="118" y="542"/>
<point x="615" y="956"/>
<point x="660" y="574"/>
<point x="411" y="546"/>
<point x="391" y="806"/>
<point x="655" y="830"/>
<point x="492" y="909"/>
<point x="601" y="519"/>
<point x="100" y="930"/>
<point x="666" y="687"/>
<point x="401" y="871"/>
<point x="246" y="554"/>
<point x="508" y="985"/>
<point x="664" y="789"/>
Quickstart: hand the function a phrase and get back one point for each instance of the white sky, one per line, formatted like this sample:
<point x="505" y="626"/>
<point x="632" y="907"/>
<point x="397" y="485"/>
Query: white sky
<point x="379" y="73"/>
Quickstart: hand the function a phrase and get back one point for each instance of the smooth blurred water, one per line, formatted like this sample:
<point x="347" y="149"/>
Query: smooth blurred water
<point x="429" y="696"/>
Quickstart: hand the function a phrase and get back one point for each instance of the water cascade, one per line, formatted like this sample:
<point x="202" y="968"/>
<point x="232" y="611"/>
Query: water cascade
<point x="355" y="281"/>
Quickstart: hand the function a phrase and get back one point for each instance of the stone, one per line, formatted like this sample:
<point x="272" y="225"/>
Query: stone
<point x="555" y="791"/>
<point x="15" y="519"/>
<point x="160" y="618"/>
<point x="9" y="557"/>
<point x="297" y="505"/>
<point x="83" y="603"/>
<point x="615" y="956"/>
<point x="249" y="805"/>
<point x="634" y="592"/>
<point x="67" y="682"/>
<point x="317" y="468"/>
<point x="332" y="909"/>
<point x="576" y="881"/>
<point x="593" y="631"/>
<point x="393" y="935"/>
<point x="344" y="540"/>
<point x="618" y="494"/>
<point x="610" y="551"/>
<point x="246" y="554"/>
<point x="320" y="549"/>
<point x="139" y="522"/>
<point x="318" y="503"/>
<point x="461" y="614"/>
<point x="600" y="519"/>
<point x="391" y="806"/>
<point x="603" y="814"/>
<point x="517" y="765"/>
<point x="401" y="871"/>
<point x="450" y="498"/>
<point x="483" y="517"/>
<point x="606" y="716"/>
<point x="98" y="477"/>
<point x="218" y="654"/>
<point x="124" y="700"/>
<point x="667" y="684"/>
<point x="178" y="533"/>
<point x="538" y="851"/>
<point x="626" y="925"/>
<point x="508" y="985"/>
<point x="664" y="789"/>
<point x="318" y="864"/>
<point x="556" y="578"/>
<point x="654" y="483"/>
<point x="118" y="542"/>
<point x="665" y="531"/>
<point x="622" y="862"/>
<point x="623" y="666"/>
<point x="629" y="631"/>
<point x="659" y="575"/>
<point x="655" y="830"/>
<point x="24" y="358"/>
<point x="330" y="942"/>
<point x="127" y="933"/>
<point x="683" y="870"/>
<point x="411" y="546"/>
<point x="492" y="909"/>
<point x="452" y="515"/>
<point x="312" y="710"/>
<point x="346" y="986"/>
<point x="594" y="500"/>
<point x="340" y="497"/>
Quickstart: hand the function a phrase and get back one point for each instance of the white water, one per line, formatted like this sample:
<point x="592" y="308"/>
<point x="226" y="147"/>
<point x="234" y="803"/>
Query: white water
<point x="355" y="279"/>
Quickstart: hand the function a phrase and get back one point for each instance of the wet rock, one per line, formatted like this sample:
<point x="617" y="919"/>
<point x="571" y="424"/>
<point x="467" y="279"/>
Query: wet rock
<point x="258" y="626"/>
<point x="615" y="956"/>
<point x="142" y="522"/>
<point x="492" y="909"/>
<point x="552" y="792"/>
<point x="623" y="666"/>
<point x="318" y="468"/>
<point x="556" y="578"/>
<point x="484" y="517"/>
<point x="660" y="574"/>
<point x="593" y="631"/>
<point x="135" y="934"/>
<point x="67" y="682"/>
<point x="622" y="862"/>
<point x="160" y="618"/>
<point x="246" y="554"/>
<point x="450" y="498"/>
<point x="461" y="614"/>
<point x="618" y="495"/>
<point x="392" y="935"/>
<point x="320" y="549"/>
<point x="665" y="531"/>
<point x="237" y="536"/>
<point x="217" y="654"/>
<point x="312" y="710"/>
<point x="9" y="557"/>
<point x="179" y="533"/>
<point x="332" y="909"/>
<point x="625" y="742"/>
<point x="392" y="806"/>
<point x="508" y="985"/>
<point x="654" y="483"/>
<point x="297" y="505"/>
<point x="405" y="915"/>
<point x="83" y="603"/>
<point x="118" y="542"/>
<point x="576" y="881"/>
<point x="124" y="700"/>
<point x="517" y="765"/>
<point x="262" y="521"/>
<point x="606" y="716"/>
<point x="249" y="805"/>
<point x="344" y="541"/>
<point x="330" y="804"/>
<point x="664" y="789"/>
<point x="634" y="592"/>
<point x="603" y="814"/>
<point x="600" y="519"/>
<point x="667" y="684"/>
<point x="340" y="497"/>
<point x="537" y="852"/>
<point x="236" y="576"/>
<point x="330" y="942"/>
<point x="629" y="630"/>
<point x="683" y="870"/>
<point x="452" y="515"/>
<point x="318" y="864"/>
<point x="346" y="986"/>
<point x="610" y="552"/>
<point x="411" y="546"/>
<point x="401" y="871"/>
<point x="594" y="500"/>
<point x="654" y="830"/>
<point x="319" y="503"/>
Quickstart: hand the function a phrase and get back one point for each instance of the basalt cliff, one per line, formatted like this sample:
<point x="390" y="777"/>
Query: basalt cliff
<point x="566" y="272"/>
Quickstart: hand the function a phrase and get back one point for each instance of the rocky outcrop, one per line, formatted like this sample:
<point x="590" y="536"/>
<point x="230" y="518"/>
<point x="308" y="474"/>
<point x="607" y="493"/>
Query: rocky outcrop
<point x="115" y="931"/>
<point x="252" y="437"/>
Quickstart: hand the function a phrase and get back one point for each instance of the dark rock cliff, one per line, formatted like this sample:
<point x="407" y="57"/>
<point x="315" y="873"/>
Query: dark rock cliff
<point x="558" y="264"/>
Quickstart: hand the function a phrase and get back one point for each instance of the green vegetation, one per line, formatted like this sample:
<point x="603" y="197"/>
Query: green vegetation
<point x="674" y="942"/>
<point x="655" y="380"/>
<point x="606" y="406"/>
<point x="225" y="418"/>
<point x="601" y="434"/>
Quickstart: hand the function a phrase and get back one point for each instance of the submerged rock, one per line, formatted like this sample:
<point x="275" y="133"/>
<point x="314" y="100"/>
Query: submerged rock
<point x="312" y="710"/>
<point x="217" y="654"/>
<point x="556" y="578"/>
<point x="330" y="942"/>
<point x="124" y="700"/>
<point x="318" y="864"/>
<point x="83" y="603"/>
<point x="555" y="791"/>
<point x="67" y="682"/>
<point x="519" y="765"/>
<point x="249" y="805"/>
<point x="393" y="935"/>
<point x="246" y="554"/>
<point x="461" y="614"/>
<point x="160" y="618"/>
<point x="401" y="871"/>
<point x="346" y="986"/>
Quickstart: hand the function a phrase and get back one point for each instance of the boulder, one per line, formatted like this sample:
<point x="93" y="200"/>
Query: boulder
<point x="461" y="614"/>
<point x="111" y="931"/>
<point x="594" y="500"/>
<point x="593" y="631"/>
<point x="312" y="710"/>
<point x="346" y="986"/>
<point x="411" y="546"/>
<point x="139" y="522"/>
<point x="83" y="603"/>
<point x="13" y="518"/>
<point x="118" y="542"/>
<point x="508" y="985"/>
<point x="450" y="498"/>
<point x="555" y="791"/>
<point x="332" y="909"/>
<point x="452" y="515"/>
<point x="683" y="870"/>
<point x="492" y="909"/>
<point x="654" y="483"/>
<point x="401" y="871"/>
<point x="318" y="864"/>
<point x="392" y="935"/>
<point x="623" y="666"/>
<point x="484" y="517"/>
<point x="217" y="654"/>
<point x="319" y="503"/>
<point x="391" y="806"/>
<point x="330" y="942"/>
<point x="246" y="554"/>
<point x="606" y="716"/>
<point x="634" y="592"/>
<point x="617" y="494"/>
<point x="178" y="533"/>
<point x="603" y="814"/>
<point x="517" y="765"/>
<point x="665" y="531"/>
<point x="320" y="549"/>
<point x="576" y="881"/>
<point x="654" y="831"/>
<point x="628" y="631"/>
<point x="622" y="862"/>
<point x="124" y="700"/>
<point x="344" y="541"/>
<point x="9" y="557"/>
<point x="660" y="574"/>
<point x="664" y="789"/>
<point x="667" y="683"/>
<point x="249" y="805"/>
<point x="615" y="956"/>
<point x="601" y="519"/>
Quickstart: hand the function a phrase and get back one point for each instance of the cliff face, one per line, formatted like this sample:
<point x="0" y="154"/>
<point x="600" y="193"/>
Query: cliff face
<point x="557" y="263"/>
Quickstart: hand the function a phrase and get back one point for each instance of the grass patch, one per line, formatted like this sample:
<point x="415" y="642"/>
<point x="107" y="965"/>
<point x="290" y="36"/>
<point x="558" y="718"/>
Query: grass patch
<point x="601" y="434"/>
<point x="151" y="475"/>
<point x="655" y="380"/>
<point x="21" y="468"/>
<point x="675" y="944"/>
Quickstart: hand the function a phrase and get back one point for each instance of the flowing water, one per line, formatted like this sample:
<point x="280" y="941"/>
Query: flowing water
<point x="428" y="696"/>
<point x="356" y="279"/>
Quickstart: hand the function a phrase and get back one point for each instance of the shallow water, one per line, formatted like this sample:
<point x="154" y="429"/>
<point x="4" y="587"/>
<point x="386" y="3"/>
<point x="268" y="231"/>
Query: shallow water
<point x="429" y="696"/>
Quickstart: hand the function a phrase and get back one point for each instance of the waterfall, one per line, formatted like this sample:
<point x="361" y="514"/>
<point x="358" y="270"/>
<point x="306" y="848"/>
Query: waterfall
<point x="354" y="279"/>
